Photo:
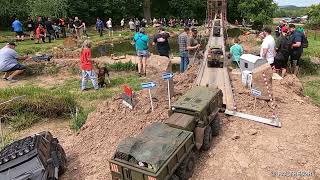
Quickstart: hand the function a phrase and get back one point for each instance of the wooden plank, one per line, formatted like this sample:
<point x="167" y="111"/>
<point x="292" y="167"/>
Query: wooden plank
<point x="276" y="122"/>
<point x="228" y="90"/>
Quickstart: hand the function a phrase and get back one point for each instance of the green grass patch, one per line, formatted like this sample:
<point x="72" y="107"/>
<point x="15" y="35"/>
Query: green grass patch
<point x="120" y="66"/>
<point x="308" y="68"/>
<point x="79" y="118"/>
<point x="312" y="89"/>
<point x="314" y="44"/>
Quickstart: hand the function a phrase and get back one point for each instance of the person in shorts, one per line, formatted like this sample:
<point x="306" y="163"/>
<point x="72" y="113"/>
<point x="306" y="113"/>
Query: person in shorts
<point x="9" y="62"/>
<point x="30" y="27"/>
<point x="161" y="40"/>
<point x="141" y="41"/>
<point x="109" y="26"/>
<point x="17" y="28"/>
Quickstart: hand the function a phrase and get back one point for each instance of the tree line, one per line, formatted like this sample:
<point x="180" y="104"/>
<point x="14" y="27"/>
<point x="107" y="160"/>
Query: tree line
<point x="259" y="11"/>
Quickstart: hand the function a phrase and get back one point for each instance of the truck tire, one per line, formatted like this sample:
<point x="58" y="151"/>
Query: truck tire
<point x="185" y="170"/>
<point x="215" y="126"/>
<point x="62" y="159"/>
<point x="207" y="138"/>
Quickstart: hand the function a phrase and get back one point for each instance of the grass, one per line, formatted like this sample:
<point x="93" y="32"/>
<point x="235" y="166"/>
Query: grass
<point x="312" y="89"/>
<point x="314" y="44"/>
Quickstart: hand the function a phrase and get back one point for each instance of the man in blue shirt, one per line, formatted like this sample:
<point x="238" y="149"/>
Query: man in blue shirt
<point x="100" y="26"/>
<point x="296" y="48"/>
<point x="17" y="27"/>
<point x="141" y="41"/>
<point x="9" y="62"/>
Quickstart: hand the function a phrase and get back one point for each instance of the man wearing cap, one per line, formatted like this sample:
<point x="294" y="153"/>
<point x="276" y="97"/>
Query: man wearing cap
<point x="193" y="44"/>
<point x="9" y="62"/>
<point x="141" y="41"/>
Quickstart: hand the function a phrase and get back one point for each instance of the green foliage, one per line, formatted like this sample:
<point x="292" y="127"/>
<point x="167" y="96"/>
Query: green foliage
<point x="311" y="89"/>
<point x="314" y="16"/>
<point x="308" y="67"/>
<point x="79" y="118"/>
<point x="37" y="103"/>
<point x="120" y="66"/>
<point x="48" y="8"/>
<point x="259" y="11"/>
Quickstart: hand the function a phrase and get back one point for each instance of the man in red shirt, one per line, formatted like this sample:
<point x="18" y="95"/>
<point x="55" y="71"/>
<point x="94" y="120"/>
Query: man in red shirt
<point x="87" y="67"/>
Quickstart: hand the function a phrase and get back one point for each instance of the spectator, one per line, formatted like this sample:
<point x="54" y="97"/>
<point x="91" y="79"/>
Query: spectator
<point x="236" y="51"/>
<point x="62" y="25"/>
<point x="30" y="27"/>
<point x="87" y="67"/>
<point x="122" y="24"/>
<point x="71" y="26"/>
<point x="143" y="23"/>
<point x="193" y="43"/>
<point x="183" y="44"/>
<point x="9" y="62"/>
<point x="137" y="24"/>
<point x="296" y="48"/>
<point x="57" y="30"/>
<point x="99" y="26"/>
<point x="109" y="26"/>
<point x="17" y="28"/>
<point x="83" y="28"/>
<point x="40" y="34"/>
<point x="283" y="51"/>
<point x="161" y="40"/>
<point x="141" y="41"/>
<point x="278" y="29"/>
<point x="49" y="28"/>
<point x="268" y="47"/>
<point x="132" y="25"/>
<point x="77" y="27"/>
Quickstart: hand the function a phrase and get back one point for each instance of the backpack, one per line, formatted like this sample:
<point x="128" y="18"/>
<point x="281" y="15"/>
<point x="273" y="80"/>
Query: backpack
<point x="305" y="42"/>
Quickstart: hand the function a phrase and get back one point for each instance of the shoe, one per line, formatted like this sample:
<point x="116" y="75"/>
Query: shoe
<point x="5" y="79"/>
<point x="12" y="80"/>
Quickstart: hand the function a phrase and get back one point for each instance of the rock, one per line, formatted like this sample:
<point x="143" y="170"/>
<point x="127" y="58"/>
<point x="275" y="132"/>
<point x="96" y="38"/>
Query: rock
<point x="148" y="111"/>
<point x="253" y="132"/>
<point x="235" y="137"/>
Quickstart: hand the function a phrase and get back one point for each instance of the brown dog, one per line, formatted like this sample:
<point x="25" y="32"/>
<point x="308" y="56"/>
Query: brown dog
<point x="103" y="73"/>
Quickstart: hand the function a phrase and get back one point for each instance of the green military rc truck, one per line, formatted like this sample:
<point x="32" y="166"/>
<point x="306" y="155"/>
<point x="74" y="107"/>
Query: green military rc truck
<point x="215" y="57"/>
<point x="167" y="151"/>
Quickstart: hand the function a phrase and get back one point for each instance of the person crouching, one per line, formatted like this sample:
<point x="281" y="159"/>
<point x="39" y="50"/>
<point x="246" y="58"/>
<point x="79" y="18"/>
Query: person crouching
<point x="87" y="67"/>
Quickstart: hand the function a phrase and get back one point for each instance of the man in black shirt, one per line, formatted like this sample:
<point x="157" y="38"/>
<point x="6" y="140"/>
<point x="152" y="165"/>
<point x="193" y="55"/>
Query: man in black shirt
<point x="49" y="28"/>
<point x="296" y="48"/>
<point x="161" y="40"/>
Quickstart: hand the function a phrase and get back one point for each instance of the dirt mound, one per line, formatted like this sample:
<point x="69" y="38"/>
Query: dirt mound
<point x="112" y="122"/>
<point x="293" y="84"/>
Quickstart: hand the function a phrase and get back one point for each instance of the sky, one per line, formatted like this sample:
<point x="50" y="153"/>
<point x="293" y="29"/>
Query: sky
<point x="301" y="3"/>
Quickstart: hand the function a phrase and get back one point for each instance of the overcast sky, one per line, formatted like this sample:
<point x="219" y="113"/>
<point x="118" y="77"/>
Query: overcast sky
<point x="297" y="2"/>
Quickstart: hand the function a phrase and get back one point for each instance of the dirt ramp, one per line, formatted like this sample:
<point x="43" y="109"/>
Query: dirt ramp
<point x="112" y="122"/>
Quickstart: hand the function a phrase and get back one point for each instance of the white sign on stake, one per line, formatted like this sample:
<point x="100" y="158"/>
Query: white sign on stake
<point x="149" y="86"/>
<point x="168" y="76"/>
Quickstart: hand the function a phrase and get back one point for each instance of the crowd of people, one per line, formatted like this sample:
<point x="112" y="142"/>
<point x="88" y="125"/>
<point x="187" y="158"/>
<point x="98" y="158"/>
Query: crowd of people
<point x="283" y="50"/>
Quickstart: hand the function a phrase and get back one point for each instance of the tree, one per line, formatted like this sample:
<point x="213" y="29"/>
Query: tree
<point x="147" y="9"/>
<point x="258" y="11"/>
<point x="48" y="8"/>
<point x="314" y="16"/>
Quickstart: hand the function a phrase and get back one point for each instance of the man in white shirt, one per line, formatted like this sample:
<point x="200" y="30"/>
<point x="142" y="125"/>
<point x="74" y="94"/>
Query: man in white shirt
<point x="109" y="26"/>
<point x="268" y="51"/>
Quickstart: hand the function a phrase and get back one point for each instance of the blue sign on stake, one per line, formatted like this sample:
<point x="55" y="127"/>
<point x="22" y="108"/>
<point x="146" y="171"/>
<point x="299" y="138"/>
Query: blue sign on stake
<point x="256" y="92"/>
<point x="148" y="85"/>
<point x="167" y="76"/>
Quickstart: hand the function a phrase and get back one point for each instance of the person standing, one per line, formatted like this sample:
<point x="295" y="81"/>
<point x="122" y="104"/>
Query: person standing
<point x="83" y="27"/>
<point x="161" y="40"/>
<point x="236" y="51"/>
<point x="193" y="44"/>
<point x="296" y="48"/>
<point x="77" y="27"/>
<point x="141" y="41"/>
<point x="268" y="46"/>
<point x="278" y="29"/>
<point x="183" y="44"/>
<point x="143" y="23"/>
<point x="283" y="51"/>
<point x="49" y="28"/>
<point x="17" y="28"/>
<point x="9" y="62"/>
<point x="137" y="24"/>
<point x="86" y="67"/>
<point x="31" y="27"/>
<point x="99" y="26"/>
<point x="122" y="24"/>
<point x="63" y="27"/>
<point x="132" y="25"/>
<point x="109" y="26"/>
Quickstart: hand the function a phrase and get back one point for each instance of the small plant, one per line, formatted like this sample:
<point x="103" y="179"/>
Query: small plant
<point x="79" y="117"/>
<point x="120" y="66"/>
<point x="311" y="89"/>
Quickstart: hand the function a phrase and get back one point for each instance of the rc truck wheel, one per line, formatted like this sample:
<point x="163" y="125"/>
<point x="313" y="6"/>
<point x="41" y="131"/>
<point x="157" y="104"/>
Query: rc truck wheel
<point x="62" y="159"/>
<point x="215" y="126"/>
<point x="207" y="138"/>
<point x="185" y="169"/>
